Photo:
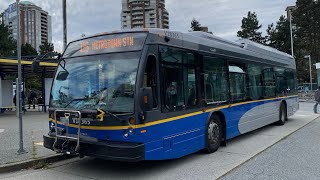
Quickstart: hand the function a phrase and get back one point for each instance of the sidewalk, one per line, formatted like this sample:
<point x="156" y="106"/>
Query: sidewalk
<point x="35" y="125"/>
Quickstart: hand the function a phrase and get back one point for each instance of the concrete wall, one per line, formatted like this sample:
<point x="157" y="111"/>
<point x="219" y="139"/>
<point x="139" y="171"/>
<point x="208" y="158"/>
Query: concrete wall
<point x="6" y="93"/>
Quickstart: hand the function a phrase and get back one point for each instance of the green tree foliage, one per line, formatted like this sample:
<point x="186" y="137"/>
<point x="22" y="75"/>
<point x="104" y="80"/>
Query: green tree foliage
<point x="279" y="36"/>
<point x="195" y="25"/>
<point x="46" y="48"/>
<point x="306" y="20"/>
<point x="28" y="50"/>
<point x="8" y="45"/>
<point x="250" y="28"/>
<point x="33" y="82"/>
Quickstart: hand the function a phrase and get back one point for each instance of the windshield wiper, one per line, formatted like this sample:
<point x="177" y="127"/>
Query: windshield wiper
<point x="113" y="115"/>
<point x="73" y="100"/>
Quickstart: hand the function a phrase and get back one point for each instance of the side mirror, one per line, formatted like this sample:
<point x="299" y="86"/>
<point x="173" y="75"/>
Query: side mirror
<point x="146" y="99"/>
<point x="62" y="76"/>
<point x="35" y="65"/>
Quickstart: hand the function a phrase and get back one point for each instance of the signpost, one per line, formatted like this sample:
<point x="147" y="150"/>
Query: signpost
<point x="18" y="86"/>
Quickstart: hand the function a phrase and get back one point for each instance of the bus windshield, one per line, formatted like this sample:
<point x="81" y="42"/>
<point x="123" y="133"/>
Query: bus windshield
<point x="100" y="81"/>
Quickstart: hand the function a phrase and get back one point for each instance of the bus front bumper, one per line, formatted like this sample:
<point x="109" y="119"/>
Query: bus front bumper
<point x="115" y="151"/>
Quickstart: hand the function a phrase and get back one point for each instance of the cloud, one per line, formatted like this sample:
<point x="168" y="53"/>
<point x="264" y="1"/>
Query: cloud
<point x="223" y="17"/>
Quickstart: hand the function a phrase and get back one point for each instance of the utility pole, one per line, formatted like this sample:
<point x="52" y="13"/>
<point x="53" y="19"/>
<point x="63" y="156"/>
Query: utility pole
<point x="64" y="12"/>
<point x="289" y="10"/>
<point x="18" y="86"/>
<point x="291" y="34"/>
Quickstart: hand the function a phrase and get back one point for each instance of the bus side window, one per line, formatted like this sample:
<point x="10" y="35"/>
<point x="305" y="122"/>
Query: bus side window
<point x="150" y="78"/>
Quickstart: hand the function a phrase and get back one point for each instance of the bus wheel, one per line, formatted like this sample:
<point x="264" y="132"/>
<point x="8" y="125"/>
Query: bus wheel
<point x="213" y="134"/>
<point x="282" y="114"/>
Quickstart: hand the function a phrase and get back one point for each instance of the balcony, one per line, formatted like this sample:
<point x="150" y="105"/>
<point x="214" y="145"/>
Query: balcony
<point x="137" y="13"/>
<point x="137" y="23"/>
<point x="136" y="1"/>
<point x="137" y="18"/>
<point x="165" y="15"/>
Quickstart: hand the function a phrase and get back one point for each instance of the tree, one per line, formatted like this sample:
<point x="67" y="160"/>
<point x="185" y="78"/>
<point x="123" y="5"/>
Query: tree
<point x="46" y="48"/>
<point x="195" y="25"/>
<point x="279" y="37"/>
<point x="306" y="20"/>
<point x="249" y="28"/>
<point x="28" y="50"/>
<point x="8" y="45"/>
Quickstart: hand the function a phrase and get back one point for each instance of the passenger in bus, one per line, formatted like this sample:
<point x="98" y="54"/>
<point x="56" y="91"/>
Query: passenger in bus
<point x="171" y="95"/>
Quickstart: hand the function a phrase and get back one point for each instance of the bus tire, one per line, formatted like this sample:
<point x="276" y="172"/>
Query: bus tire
<point x="282" y="114"/>
<point x="213" y="134"/>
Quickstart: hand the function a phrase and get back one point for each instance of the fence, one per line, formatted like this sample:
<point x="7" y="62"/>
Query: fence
<point x="307" y="96"/>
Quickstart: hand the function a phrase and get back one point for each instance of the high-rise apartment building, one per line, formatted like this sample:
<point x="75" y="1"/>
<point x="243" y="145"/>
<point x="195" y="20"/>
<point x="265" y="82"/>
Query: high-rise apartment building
<point x="35" y="23"/>
<point x="144" y="14"/>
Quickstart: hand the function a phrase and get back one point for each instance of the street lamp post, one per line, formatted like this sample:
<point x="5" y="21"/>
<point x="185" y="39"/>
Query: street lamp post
<point x="64" y="14"/>
<point x="18" y="86"/>
<point x="291" y="34"/>
<point x="310" y="69"/>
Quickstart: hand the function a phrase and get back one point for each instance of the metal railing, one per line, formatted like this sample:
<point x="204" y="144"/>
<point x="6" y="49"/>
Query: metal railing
<point x="307" y="96"/>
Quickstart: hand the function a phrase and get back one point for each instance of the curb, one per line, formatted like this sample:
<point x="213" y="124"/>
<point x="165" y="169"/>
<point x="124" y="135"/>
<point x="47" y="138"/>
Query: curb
<point x="31" y="163"/>
<point x="283" y="138"/>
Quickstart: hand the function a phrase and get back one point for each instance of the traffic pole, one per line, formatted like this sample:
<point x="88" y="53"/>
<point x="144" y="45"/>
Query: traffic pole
<point x="18" y="86"/>
<point x="64" y="15"/>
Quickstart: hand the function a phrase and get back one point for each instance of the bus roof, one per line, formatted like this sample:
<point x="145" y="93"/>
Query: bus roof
<point x="208" y="43"/>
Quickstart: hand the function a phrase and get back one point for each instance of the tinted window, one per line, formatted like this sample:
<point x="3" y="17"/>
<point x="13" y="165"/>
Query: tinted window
<point x="281" y="81"/>
<point x="254" y="87"/>
<point x="179" y="79"/>
<point x="150" y="78"/>
<point x="290" y="81"/>
<point x="237" y="83"/>
<point x="215" y="87"/>
<point x="269" y="84"/>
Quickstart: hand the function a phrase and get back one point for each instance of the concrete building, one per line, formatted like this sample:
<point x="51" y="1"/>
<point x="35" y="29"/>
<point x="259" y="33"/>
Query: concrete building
<point x="144" y="14"/>
<point x="1" y="18"/>
<point x="35" y="23"/>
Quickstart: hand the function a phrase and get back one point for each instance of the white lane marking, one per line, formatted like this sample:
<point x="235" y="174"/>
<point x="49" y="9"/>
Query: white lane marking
<point x="1" y="130"/>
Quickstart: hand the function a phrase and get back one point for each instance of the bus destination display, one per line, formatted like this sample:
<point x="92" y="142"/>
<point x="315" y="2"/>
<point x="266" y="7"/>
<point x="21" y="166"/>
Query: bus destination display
<point x="106" y="44"/>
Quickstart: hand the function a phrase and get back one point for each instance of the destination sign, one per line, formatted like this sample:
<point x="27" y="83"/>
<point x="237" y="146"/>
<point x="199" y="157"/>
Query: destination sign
<point x="106" y="44"/>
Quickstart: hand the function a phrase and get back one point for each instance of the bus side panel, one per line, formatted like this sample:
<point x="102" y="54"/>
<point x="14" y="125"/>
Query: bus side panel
<point x="234" y="114"/>
<point x="175" y="139"/>
<point x="263" y="114"/>
<point x="292" y="106"/>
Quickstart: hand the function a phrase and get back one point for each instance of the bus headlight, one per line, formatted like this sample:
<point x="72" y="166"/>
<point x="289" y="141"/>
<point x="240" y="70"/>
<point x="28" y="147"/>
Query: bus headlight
<point x="128" y="132"/>
<point x="52" y="125"/>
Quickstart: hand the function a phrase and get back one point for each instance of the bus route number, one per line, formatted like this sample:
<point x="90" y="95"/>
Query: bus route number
<point x="172" y="34"/>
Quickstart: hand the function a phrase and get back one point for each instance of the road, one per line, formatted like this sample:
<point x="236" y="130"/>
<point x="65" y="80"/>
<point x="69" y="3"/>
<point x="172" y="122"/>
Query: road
<point x="195" y="166"/>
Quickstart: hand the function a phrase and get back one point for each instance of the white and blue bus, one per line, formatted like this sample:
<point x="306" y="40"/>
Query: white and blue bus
<point x="156" y="94"/>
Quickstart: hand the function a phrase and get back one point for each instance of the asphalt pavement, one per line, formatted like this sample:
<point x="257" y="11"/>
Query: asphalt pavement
<point x="296" y="157"/>
<point x="200" y="165"/>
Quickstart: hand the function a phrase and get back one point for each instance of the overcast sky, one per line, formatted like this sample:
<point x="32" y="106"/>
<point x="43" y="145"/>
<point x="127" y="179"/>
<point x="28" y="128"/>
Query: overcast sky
<point x="223" y="17"/>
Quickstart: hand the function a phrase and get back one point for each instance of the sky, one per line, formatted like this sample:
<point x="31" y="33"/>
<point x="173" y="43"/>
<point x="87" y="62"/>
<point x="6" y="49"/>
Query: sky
<point x="223" y="17"/>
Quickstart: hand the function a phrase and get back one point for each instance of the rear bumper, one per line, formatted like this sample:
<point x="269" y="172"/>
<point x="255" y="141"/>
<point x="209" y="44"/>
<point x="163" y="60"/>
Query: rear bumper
<point x="116" y="151"/>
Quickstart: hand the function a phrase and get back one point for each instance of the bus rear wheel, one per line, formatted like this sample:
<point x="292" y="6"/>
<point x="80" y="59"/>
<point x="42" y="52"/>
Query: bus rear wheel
<point x="213" y="134"/>
<point x="282" y="114"/>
